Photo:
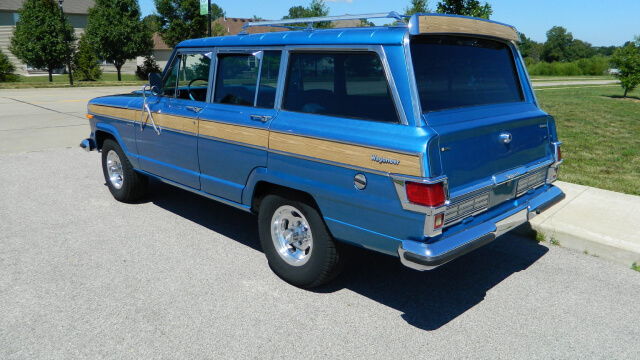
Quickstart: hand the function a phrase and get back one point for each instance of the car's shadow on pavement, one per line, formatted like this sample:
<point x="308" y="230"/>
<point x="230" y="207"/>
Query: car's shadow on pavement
<point x="428" y="300"/>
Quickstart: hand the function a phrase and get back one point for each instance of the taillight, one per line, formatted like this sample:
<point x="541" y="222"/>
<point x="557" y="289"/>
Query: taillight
<point x="425" y="194"/>
<point x="559" y="154"/>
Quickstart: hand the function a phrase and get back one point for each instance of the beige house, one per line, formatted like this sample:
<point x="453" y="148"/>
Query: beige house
<point x="76" y="11"/>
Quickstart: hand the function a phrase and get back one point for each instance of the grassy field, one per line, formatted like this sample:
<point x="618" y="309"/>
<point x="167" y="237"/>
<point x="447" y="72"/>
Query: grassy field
<point x="600" y="132"/>
<point x="63" y="81"/>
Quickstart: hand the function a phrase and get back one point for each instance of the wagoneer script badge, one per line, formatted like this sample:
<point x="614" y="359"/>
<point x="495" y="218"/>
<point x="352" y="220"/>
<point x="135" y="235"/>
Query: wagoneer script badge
<point x="382" y="160"/>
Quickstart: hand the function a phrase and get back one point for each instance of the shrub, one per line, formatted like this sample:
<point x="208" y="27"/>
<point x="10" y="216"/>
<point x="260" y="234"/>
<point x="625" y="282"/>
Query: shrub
<point x="148" y="66"/>
<point x="85" y="62"/>
<point x="7" y="69"/>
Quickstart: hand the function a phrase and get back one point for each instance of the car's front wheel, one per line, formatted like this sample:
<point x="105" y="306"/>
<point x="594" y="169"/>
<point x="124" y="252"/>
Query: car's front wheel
<point x="297" y="243"/>
<point x="125" y="184"/>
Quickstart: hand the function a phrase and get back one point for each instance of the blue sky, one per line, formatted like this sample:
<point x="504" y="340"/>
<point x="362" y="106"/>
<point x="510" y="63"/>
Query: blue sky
<point x="599" y="22"/>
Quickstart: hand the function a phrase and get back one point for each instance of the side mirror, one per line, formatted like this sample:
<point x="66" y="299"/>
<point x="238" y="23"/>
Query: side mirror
<point x="155" y="82"/>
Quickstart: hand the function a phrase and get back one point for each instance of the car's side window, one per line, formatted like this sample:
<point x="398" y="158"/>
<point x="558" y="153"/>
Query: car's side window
<point x="188" y="77"/>
<point x="239" y="76"/>
<point x="350" y="84"/>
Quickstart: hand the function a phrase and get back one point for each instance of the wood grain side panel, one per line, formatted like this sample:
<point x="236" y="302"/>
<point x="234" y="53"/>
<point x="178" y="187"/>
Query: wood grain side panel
<point x="180" y="123"/>
<point x="353" y="155"/>
<point x="241" y="134"/>
<point x="110" y="111"/>
<point x="455" y="25"/>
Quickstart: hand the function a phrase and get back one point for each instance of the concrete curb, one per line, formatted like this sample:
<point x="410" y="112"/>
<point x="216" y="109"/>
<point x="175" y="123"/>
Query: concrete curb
<point x="597" y="222"/>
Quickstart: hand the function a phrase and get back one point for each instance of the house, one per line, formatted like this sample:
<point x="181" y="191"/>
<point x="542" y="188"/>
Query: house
<point x="76" y="12"/>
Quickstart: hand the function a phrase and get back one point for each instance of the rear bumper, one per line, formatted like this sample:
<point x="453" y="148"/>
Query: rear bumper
<point x="423" y="256"/>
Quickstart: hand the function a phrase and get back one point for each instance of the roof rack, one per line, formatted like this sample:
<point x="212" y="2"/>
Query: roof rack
<point x="289" y="23"/>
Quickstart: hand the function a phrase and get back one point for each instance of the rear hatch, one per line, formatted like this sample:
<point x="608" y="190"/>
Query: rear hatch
<point x="471" y="94"/>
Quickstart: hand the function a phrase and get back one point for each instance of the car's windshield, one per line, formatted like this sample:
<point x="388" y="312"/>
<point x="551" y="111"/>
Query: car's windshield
<point x="454" y="72"/>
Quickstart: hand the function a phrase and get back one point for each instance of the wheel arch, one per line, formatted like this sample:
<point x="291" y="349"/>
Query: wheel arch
<point x="263" y="188"/>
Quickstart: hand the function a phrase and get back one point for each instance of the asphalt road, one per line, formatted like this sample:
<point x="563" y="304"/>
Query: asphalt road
<point x="180" y="276"/>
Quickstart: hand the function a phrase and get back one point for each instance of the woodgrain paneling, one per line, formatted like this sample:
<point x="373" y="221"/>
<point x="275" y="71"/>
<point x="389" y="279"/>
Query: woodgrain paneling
<point x="456" y="25"/>
<point x="174" y="122"/>
<point x="241" y="134"/>
<point x="353" y="155"/>
<point x="126" y="114"/>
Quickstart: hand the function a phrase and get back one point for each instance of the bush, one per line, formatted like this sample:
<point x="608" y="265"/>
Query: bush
<point x="596" y="65"/>
<point x="148" y="66"/>
<point x="7" y="69"/>
<point x="85" y="62"/>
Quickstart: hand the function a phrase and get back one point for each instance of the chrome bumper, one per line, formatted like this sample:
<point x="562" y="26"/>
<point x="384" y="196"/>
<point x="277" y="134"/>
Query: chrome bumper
<point x="422" y="256"/>
<point x="88" y="145"/>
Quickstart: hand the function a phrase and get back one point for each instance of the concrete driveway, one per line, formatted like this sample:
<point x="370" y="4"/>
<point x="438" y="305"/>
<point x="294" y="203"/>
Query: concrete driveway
<point x="180" y="276"/>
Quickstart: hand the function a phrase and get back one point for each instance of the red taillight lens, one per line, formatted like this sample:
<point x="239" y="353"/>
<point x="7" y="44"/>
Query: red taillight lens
<point x="425" y="194"/>
<point x="559" y="154"/>
<point x="438" y="221"/>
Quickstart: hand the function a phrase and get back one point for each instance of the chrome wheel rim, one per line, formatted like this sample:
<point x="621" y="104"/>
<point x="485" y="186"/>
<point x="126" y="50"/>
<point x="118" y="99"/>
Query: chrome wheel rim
<point x="114" y="169"/>
<point x="291" y="235"/>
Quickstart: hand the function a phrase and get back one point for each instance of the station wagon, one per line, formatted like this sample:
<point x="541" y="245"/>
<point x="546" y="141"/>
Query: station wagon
<point x="422" y="140"/>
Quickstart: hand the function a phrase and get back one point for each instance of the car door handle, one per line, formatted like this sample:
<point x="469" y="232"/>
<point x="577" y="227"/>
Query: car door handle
<point x="262" y="118"/>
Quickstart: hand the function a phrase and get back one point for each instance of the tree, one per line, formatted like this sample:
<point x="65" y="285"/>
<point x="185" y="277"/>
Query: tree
<point x="149" y="66"/>
<point x="530" y="49"/>
<point x="117" y="33"/>
<point x="181" y="20"/>
<point x="465" y="7"/>
<point x="580" y="50"/>
<point x="39" y="36"/>
<point x="316" y="8"/>
<point x="627" y="61"/>
<point x="417" y="6"/>
<point x="85" y="61"/>
<point x="7" y="69"/>
<point x="558" y="44"/>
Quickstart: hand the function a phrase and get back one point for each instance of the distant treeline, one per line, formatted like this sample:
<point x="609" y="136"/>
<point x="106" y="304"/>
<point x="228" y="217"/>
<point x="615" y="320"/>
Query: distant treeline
<point x="562" y="55"/>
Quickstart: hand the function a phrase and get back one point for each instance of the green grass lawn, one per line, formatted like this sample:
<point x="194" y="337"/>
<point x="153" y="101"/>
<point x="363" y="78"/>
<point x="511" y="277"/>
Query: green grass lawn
<point x="600" y="133"/>
<point x="108" y="79"/>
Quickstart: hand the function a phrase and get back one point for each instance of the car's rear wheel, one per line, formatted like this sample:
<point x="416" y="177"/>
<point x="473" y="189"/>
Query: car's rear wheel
<point x="125" y="184"/>
<point x="297" y="243"/>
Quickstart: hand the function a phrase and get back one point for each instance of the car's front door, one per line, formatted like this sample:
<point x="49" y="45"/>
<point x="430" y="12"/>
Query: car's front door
<point x="167" y="143"/>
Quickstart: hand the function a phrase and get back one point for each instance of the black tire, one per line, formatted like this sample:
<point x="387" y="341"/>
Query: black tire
<point x="125" y="184"/>
<point x="280" y="217"/>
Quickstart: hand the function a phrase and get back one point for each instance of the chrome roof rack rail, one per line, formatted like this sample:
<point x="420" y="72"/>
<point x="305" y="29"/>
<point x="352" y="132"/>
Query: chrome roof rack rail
<point x="290" y="23"/>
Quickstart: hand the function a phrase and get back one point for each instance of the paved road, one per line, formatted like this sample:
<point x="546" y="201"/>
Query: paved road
<point x="35" y="119"/>
<point x="178" y="276"/>
<point x="538" y="84"/>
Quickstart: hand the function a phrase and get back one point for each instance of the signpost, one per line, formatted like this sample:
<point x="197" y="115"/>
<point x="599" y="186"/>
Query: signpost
<point x="205" y="9"/>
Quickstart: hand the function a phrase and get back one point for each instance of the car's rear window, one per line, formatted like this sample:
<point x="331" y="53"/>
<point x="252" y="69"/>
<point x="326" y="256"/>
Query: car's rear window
<point x="455" y="72"/>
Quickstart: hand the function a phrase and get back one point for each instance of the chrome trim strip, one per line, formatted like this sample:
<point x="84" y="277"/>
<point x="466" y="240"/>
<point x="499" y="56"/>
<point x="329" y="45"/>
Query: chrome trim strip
<point x="391" y="85"/>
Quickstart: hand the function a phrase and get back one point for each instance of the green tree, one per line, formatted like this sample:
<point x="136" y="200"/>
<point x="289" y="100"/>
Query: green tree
<point x="85" y="61"/>
<point x="465" y="7"/>
<point x="580" y="50"/>
<point x="149" y="66"/>
<point x="417" y="6"/>
<point x="627" y="61"/>
<point x="316" y="8"/>
<point x="181" y="20"/>
<point x="558" y="45"/>
<point x="117" y="33"/>
<point x="39" y="36"/>
<point x="7" y="69"/>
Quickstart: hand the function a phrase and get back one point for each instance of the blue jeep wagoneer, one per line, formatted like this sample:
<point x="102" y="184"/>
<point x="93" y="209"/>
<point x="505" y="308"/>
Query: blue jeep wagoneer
<point x="422" y="140"/>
